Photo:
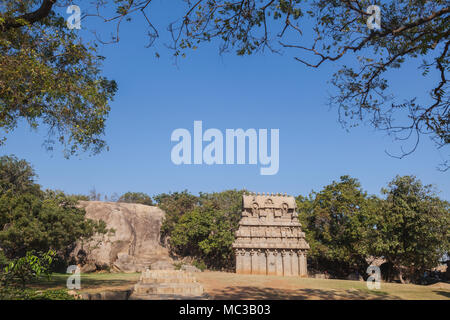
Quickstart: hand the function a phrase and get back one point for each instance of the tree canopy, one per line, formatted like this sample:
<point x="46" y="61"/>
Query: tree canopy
<point x="136" y="197"/>
<point x="339" y="224"/>
<point x="38" y="51"/>
<point x="49" y="77"/>
<point x="175" y="205"/>
<point x="32" y="219"/>
<point x="410" y="30"/>
<point x="205" y="229"/>
<point x="345" y="227"/>
<point x="413" y="228"/>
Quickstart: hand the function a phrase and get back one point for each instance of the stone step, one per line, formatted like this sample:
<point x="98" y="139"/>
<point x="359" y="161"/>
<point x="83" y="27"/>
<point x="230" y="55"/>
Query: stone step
<point x="183" y="289"/>
<point x="169" y="280"/>
<point x="166" y="274"/>
<point x="135" y="296"/>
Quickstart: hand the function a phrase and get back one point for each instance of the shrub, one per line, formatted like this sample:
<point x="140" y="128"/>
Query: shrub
<point x="206" y="230"/>
<point x="24" y="269"/>
<point x="199" y="264"/>
<point x="11" y="293"/>
<point x="136" y="197"/>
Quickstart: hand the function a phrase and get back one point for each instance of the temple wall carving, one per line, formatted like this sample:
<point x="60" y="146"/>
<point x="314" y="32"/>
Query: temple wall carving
<point x="269" y="240"/>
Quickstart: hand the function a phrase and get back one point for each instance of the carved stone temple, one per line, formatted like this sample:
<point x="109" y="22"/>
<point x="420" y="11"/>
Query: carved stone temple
<point x="269" y="240"/>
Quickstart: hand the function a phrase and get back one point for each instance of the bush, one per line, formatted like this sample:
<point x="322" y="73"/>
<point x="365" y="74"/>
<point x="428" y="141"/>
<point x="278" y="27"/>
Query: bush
<point x="3" y="260"/>
<point x="206" y="230"/>
<point x="10" y="293"/>
<point x="24" y="269"/>
<point x="31" y="219"/>
<point x="199" y="264"/>
<point x="136" y="197"/>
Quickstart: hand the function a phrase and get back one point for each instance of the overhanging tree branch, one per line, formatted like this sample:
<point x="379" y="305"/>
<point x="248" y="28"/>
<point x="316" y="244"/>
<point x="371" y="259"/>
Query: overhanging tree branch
<point x="29" y="18"/>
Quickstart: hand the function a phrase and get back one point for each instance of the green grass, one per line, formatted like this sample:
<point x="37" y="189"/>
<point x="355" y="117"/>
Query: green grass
<point x="90" y="282"/>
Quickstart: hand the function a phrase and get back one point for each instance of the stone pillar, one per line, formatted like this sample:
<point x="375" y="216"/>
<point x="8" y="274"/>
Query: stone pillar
<point x="247" y="262"/>
<point x="302" y="264"/>
<point x="255" y="262"/>
<point x="271" y="263"/>
<point x="286" y="263"/>
<point x="262" y="262"/>
<point x="294" y="263"/>
<point x="239" y="260"/>
<point x="279" y="263"/>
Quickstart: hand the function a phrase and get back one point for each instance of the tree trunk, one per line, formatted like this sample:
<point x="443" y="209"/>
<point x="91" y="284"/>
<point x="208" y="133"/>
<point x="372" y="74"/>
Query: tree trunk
<point x="400" y="275"/>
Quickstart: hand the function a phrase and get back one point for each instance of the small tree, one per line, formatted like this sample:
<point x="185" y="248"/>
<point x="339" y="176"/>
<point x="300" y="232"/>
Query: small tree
<point x="17" y="176"/>
<point x="413" y="227"/>
<point x="175" y="205"/>
<point x="136" y="197"/>
<point x="27" y="268"/>
<point x="338" y="222"/>
<point x="202" y="227"/>
<point x="207" y="231"/>
<point x="93" y="195"/>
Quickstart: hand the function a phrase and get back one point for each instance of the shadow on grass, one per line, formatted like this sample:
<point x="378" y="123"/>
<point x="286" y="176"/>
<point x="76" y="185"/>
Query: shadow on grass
<point x="59" y="281"/>
<point x="256" y="293"/>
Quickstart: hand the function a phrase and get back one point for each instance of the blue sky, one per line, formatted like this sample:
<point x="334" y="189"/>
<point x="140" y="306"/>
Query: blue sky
<point x="266" y="90"/>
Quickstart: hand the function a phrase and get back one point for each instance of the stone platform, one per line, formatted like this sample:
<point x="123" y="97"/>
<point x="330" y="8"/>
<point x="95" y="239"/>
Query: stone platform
<point x="167" y="284"/>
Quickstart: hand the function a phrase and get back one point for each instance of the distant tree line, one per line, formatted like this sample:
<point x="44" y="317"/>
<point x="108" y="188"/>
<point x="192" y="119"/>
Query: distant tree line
<point x="408" y="225"/>
<point x="32" y="219"/>
<point x="128" y="197"/>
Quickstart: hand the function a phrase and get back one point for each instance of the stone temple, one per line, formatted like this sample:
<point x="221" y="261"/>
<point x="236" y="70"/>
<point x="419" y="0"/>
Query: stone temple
<point x="269" y="240"/>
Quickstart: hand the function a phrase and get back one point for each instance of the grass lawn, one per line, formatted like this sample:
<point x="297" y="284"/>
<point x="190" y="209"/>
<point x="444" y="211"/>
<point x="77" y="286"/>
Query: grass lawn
<point x="223" y="285"/>
<point x="91" y="282"/>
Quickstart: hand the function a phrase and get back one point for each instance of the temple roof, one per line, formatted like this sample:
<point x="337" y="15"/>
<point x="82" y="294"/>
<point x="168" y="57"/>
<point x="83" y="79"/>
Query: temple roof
<point x="268" y="201"/>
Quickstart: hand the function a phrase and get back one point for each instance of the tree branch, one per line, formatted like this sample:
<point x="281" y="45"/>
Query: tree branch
<point x="30" y="18"/>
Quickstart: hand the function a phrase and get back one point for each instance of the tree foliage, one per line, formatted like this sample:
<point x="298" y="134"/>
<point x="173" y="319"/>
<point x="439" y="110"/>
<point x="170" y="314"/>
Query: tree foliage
<point x="409" y="227"/>
<point x="339" y="224"/>
<point x="12" y="293"/>
<point x="415" y="31"/>
<point x="24" y="269"/>
<point x="175" y="205"/>
<point x="31" y="219"/>
<point x="49" y="77"/>
<point x="410" y="30"/>
<point x="136" y="197"/>
<point x="206" y="231"/>
<point x="17" y="176"/>
<point x="413" y="227"/>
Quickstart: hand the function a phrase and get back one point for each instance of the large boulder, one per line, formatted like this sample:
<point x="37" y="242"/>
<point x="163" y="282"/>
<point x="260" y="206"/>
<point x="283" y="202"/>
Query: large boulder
<point x="132" y="247"/>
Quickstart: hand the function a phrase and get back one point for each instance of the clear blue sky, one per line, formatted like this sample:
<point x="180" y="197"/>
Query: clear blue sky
<point x="261" y="91"/>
